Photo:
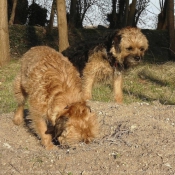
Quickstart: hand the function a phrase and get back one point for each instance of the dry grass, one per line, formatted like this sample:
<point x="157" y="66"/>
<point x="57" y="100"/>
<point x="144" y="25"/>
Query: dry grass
<point x="145" y="83"/>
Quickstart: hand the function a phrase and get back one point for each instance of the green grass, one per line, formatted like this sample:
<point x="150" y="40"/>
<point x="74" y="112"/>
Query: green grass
<point x="7" y="75"/>
<point x="102" y="93"/>
<point x="150" y="83"/>
<point x="145" y="83"/>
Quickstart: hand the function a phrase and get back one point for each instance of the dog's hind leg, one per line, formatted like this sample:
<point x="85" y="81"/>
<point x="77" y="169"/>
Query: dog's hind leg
<point x="87" y="81"/>
<point x="20" y="97"/>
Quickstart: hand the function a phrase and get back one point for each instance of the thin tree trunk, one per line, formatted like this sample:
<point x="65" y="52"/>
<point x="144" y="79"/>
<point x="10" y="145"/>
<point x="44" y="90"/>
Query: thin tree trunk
<point x="171" y="29"/>
<point x="4" y="34"/>
<point x="12" y="17"/>
<point x="166" y="9"/>
<point x="62" y="25"/>
<point x="126" y="13"/>
<point x="114" y="14"/>
<point x="163" y="15"/>
<point x="132" y="12"/>
<point x="72" y="13"/>
<point x="51" y="21"/>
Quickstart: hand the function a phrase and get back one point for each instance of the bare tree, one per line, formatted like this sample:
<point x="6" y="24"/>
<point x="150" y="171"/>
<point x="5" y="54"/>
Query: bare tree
<point x="126" y="13"/>
<point x="132" y="12"/>
<point x="12" y="17"/>
<point x="78" y="10"/>
<point x="4" y="34"/>
<point x="140" y="7"/>
<point x="171" y="28"/>
<point x="72" y="18"/>
<point x="81" y="9"/>
<point x="162" y="17"/>
<point x="116" y="17"/>
<point x="62" y="25"/>
<point x="113" y="23"/>
<point x="52" y="14"/>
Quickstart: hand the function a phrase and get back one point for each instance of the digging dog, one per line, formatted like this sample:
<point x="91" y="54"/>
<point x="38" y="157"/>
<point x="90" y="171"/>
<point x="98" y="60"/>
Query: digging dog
<point x="53" y="88"/>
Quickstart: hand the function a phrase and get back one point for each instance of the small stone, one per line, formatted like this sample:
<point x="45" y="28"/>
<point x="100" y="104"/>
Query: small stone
<point x="133" y="127"/>
<point x="7" y="145"/>
<point x="168" y="165"/>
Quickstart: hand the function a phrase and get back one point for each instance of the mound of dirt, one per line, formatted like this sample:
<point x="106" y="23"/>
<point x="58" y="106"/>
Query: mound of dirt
<point x="134" y="139"/>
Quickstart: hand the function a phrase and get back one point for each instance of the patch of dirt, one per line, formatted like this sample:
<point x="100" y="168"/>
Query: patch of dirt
<point x="134" y="139"/>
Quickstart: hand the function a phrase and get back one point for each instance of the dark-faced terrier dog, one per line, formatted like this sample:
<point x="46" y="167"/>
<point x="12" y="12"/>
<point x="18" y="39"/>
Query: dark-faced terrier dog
<point x="121" y="50"/>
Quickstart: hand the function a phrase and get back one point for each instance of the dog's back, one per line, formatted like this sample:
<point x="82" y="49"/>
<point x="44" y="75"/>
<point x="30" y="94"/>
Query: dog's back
<point x="45" y="76"/>
<point x="44" y="69"/>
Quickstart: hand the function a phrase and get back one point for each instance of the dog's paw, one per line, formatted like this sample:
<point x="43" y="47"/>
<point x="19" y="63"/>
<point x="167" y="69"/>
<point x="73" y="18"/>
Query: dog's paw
<point x="18" y="116"/>
<point x="17" y="120"/>
<point x="119" y="100"/>
<point x="51" y="147"/>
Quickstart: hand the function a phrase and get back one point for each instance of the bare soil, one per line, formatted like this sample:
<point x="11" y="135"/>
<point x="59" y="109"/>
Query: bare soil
<point x="134" y="139"/>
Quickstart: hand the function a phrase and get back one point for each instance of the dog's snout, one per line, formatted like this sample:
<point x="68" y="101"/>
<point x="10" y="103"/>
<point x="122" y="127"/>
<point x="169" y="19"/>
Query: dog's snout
<point x="137" y="58"/>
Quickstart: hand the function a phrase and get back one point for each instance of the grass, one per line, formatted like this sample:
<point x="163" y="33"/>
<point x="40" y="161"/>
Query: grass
<point x="151" y="83"/>
<point x="7" y="75"/>
<point x="145" y="83"/>
<point x="102" y="93"/>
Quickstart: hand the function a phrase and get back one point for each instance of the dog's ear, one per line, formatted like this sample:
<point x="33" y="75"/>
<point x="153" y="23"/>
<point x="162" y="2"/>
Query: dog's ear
<point x="114" y="39"/>
<point x="60" y="125"/>
<point x="117" y="38"/>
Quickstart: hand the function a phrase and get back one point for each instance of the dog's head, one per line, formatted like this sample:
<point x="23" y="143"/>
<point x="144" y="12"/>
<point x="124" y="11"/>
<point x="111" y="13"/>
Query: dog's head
<point x="77" y="124"/>
<point x="128" y="46"/>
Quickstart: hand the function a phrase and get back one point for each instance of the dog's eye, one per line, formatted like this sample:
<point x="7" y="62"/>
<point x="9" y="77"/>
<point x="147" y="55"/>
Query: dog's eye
<point x="129" y="48"/>
<point x="142" y="49"/>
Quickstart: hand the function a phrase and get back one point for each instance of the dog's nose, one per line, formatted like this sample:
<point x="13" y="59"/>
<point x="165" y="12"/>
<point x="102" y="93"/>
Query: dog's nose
<point x="137" y="58"/>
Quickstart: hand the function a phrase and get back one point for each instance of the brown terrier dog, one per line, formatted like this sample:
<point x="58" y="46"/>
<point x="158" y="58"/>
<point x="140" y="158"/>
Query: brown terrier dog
<point x="121" y="50"/>
<point x="54" y="91"/>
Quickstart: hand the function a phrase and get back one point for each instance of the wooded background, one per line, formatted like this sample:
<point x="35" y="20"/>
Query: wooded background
<point x="71" y="14"/>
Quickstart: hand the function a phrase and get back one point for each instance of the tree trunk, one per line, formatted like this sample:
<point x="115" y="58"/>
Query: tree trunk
<point x="126" y="13"/>
<point x="165" y="25"/>
<point x="4" y="34"/>
<point x="171" y="29"/>
<point x="51" y="21"/>
<point x="163" y="16"/>
<point x="62" y="25"/>
<point x="72" y="18"/>
<point x="12" y="17"/>
<point x="114" y="15"/>
<point x="132" y="12"/>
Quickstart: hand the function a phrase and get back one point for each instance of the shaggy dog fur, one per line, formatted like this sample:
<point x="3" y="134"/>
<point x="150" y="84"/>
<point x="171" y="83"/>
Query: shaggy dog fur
<point x="54" y="91"/>
<point x="107" y="61"/>
<point x="123" y="50"/>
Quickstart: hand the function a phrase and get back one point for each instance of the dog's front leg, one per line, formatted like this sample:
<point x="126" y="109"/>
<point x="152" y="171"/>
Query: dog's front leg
<point x="40" y="126"/>
<point x="88" y="81"/>
<point x="118" y="83"/>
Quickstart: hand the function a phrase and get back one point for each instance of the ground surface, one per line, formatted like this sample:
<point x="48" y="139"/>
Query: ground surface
<point x="134" y="139"/>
